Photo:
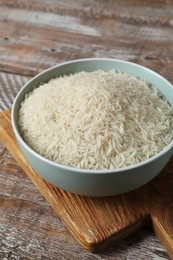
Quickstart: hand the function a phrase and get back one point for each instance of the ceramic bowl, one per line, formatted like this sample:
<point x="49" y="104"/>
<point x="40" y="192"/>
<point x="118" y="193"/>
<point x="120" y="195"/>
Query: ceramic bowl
<point x="94" y="182"/>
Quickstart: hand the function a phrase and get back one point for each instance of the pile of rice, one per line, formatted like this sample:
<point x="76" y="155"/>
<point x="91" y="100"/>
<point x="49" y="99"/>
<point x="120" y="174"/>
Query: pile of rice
<point x="96" y="120"/>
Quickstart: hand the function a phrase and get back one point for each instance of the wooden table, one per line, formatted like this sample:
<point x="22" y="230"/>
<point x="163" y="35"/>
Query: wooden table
<point x="35" y="35"/>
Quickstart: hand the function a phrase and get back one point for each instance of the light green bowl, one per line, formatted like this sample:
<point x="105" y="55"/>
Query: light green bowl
<point x="94" y="182"/>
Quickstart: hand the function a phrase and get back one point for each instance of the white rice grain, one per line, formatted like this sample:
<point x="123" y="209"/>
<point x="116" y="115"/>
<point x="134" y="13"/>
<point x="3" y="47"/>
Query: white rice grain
<point x="96" y="120"/>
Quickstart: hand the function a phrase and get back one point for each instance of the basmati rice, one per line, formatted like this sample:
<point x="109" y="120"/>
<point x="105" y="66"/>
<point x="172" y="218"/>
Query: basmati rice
<point x="96" y="120"/>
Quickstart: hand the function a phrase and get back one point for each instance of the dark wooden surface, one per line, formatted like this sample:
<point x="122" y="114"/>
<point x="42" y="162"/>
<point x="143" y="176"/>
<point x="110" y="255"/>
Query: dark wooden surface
<point x="35" y="35"/>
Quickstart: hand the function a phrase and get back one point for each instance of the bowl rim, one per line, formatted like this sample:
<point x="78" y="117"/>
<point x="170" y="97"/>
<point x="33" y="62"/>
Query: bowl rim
<point x="70" y="168"/>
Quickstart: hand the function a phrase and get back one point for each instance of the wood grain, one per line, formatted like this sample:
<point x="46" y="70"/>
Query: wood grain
<point x="53" y="32"/>
<point x="10" y="84"/>
<point x="98" y="223"/>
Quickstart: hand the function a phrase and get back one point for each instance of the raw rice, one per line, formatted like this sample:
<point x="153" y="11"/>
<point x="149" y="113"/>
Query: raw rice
<point x="96" y="120"/>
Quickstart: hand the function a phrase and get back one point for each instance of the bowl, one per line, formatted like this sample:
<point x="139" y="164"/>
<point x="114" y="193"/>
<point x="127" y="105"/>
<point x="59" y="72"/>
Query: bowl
<point x="94" y="182"/>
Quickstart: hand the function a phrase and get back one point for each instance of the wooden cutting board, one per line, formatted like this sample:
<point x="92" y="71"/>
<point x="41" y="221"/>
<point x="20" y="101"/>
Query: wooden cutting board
<point x="98" y="223"/>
